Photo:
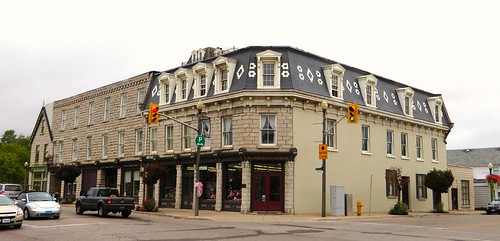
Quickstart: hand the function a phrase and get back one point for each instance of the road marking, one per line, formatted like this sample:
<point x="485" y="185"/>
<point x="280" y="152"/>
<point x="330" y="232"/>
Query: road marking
<point x="473" y="225"/>
<point x="62" y="225"/>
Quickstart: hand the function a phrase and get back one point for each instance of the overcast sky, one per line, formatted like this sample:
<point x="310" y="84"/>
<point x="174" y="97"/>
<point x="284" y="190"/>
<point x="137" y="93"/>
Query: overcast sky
<point x="51" y="50"/>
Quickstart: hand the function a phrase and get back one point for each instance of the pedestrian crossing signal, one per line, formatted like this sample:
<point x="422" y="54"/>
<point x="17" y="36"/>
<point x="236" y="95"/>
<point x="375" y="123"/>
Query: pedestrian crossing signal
<point x="154" y="113"/>
<point x="352" y="113"/>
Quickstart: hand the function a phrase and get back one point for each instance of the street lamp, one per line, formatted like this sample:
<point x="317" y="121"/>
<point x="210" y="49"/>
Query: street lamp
<point x="196" y="200"/>
<point x="324" y="106"/>
<point x="26" y="164"/>
<point x="490" y="182"/>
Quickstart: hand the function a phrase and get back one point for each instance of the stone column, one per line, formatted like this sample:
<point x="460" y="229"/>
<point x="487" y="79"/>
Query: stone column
<point x="178" y="188"/>
<point x="289" y="187"/>
<point x="218" y="188"/>
<point x="246" y="179"/>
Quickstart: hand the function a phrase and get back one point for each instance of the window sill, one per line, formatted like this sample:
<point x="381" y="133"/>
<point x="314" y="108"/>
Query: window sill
<point x="333" y="149"/>
<point x="154" y="152"/>
<point x="391" y="156"/>
<point x="434" y="161"/>
<point x="420" y="160"/>
<point x="228" y="147"/>
<point x="422" y="199"/>
<point x="186" y="150"/>
<point x="138" y="153"/>
<point x="206" y="148"/>
<point x="267" y="146"/>
<point x="405" y="158"/>
<point x="366" y="153"/>
<point x="169" y="152"/>
<point x="392" y="197"/>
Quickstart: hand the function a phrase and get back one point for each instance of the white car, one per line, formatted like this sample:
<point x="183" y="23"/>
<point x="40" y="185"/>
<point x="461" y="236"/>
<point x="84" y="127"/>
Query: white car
<point x="10" y="214"/>
<point x="37" y="204"/>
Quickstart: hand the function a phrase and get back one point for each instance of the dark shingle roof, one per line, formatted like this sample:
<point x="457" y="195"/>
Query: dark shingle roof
<point x="479" y="157"/>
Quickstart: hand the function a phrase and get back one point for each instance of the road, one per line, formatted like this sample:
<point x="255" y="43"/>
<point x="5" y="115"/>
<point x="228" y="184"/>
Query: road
<point x="143" y="227"/>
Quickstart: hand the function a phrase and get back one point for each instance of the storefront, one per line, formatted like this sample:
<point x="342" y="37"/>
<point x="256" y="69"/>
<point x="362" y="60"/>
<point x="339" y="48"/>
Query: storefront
<point x="268" y="188"/>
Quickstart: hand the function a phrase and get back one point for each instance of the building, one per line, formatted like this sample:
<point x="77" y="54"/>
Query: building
<point x="263" y="111"/>
<point x="41" y="150"/>
<point x="478" y="159"/>
<point x="461" y="193"/>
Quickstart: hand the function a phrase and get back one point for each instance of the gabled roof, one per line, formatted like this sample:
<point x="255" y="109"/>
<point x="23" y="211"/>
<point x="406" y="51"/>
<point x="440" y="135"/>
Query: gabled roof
<point x="46" y="112"/>
<point x="302" y="71"/>
<point x="479" y="157"/>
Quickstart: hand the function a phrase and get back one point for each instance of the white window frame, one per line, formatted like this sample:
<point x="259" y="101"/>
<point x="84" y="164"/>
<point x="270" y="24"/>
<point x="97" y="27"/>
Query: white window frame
<point x="141" y="94"/>
<point x="74" y="149"/>
<point x="63" y="120"/>
<point x="269" y="57"/>
<point x="420" y="186"/>
<point x="202" y="69"/>
<point x="186" y="138"/>
<point x="107" y="109"/>
<point x="266" y="131"/>
<point x="121" y="143"/>
<point x="184" y="79"/>
<point x="404" y="145"/>
<point x="368" y="83"/>
<point x="123" y="105"/>
<point x="436" y="108"/>
<point x="167" y="86"/>
<point x="390" y="143"/>
<point x="465" y="187"/>
<point x="138" y="142"/>
<point x="365" y="139"/>
<point x="419" y="143"/>
<point x="434" y="149"/>
<point x="169" y="138"/>
<point x="89" y="147"/>
<point x="227" y="134"/>
<point x="90" y="120"/>
<point x="76" y="117"/>
<point x="331" y="134"/>
<point x="405" y="96"/>
<point x="153" y="140"/>
<point x="334" y="74"/>
<point x="220" y="64"/>
<point x="105" y="145"/>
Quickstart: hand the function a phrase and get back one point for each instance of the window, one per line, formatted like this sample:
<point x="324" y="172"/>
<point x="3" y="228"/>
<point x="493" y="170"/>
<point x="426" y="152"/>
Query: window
<point x="436" y="106"/>
<point x="268" y="129"/>
<point x="74" y="150"/>
<point x="43" y="126"/>
<point x="107" y="106"/>
<point x="434" y="149"/>
<point x="203" y="85"/>
<point x="390" y="183"/>
<point x="405" y="96"/>
<point x="268" y="69"/>
<point x="465" y="192"/>
<point x="186" y="134"/>
<point x="436" y="113"/>
<point x="89" y="147"/>
<point x="123" y="105"/>
<point x="105" y="145"/>
<point x="121" y="144"/>
<point x="61" y="151"/>
<point x="368" y="85"/>
<point x="138" y="141"/>
<point x="421" y="189"/>
<point x="390" y="143"/>
<point x="419" y="148"/>
<point x="132" y="182"/>
<point x="224" y="71"/>
<point x="166" y="93"/>
<point x="365" y="138"/>
<point x="404" y="145"/>
<point x="330" y="133"/>
<point x="184" y="78"/>
<point x="76" y="117"/>
<point x="91" y="113"/>
<point x="45" y="152"/>
<point x="37" y="153"/>
<point x="153" y="139"/>
<point x="63" y="119"/>
<point x="227" y="131"/>
<point x="183" y="89"/>
<point x="335" y="86"/>
<point x="203" y="74"/>
<point x="140" y="99"/>
<point x="169" y="134"/>
<point x="167" y="85"/>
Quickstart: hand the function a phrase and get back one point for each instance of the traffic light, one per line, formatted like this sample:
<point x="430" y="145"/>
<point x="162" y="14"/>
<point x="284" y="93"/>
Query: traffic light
<point x="352" y="113"/>
<point x="154" y="113"/>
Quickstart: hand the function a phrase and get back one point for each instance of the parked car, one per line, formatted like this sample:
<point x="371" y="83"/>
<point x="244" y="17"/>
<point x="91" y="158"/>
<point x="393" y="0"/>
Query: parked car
<point x="493" y="207"/>
<point x="104" y="200"/>
<point x="10" y="190"/>
<point x="10" y="214"/>
<point x="36" y="204"/>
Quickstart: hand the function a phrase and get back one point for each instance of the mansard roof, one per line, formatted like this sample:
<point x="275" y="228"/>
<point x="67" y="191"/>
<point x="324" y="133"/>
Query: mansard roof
<point x="302" y="71"/>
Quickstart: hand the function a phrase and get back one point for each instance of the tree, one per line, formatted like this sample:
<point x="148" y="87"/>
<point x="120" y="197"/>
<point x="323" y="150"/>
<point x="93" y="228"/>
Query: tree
<point x="394" y="176"/>
<point x="68" y="174"/>
<point x="9" y="136"/>
<point x="152" y="173"/>
<point x="14" y="152"/>
<point x="439" y="182"/>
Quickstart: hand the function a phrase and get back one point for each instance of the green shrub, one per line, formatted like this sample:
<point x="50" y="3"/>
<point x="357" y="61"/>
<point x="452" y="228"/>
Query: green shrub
<point x="149" y="205"/>
<point x="439" y="208"/>
<point x="399" y="208"/>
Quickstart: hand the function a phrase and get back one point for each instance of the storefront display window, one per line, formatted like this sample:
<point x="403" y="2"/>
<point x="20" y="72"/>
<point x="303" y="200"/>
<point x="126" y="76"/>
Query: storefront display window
<point x="132" y="183"/>
<point x="232" y="186"/>
<point x="168" y="191"/>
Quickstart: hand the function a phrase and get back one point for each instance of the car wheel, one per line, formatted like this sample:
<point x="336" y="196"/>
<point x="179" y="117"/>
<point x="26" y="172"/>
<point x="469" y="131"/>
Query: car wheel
<point x="56" y="217"/>
<point x="125" y="214"/>
<point x="79" y="209"/>
<point x="26" y="214"/>
<point x="17" y="226"/>
<point x="488" y="212"/>
<point x="101" y="211"/>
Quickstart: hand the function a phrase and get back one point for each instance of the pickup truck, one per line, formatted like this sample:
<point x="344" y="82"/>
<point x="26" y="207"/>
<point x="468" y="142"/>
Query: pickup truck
<point x="104" y="200"/>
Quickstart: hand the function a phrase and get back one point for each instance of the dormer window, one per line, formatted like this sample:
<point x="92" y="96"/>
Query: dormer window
<point x="224" y="72"/>
<point x="406" y="99"/>
<point x="334" y="78"/>
<point x="203" y="73"/>
<point x="167" y="84"/>
<point x="436" y="107"/>
<point x="367" y="84"/>
<point x="197" y="55"/>
<point x="268" y="65"/>
<point x="184" y="78"/>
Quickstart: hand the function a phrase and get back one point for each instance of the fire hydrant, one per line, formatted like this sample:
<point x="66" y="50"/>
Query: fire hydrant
<point x="359" y="204"/>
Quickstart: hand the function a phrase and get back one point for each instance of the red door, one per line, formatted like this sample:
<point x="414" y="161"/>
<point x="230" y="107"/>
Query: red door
<point x="267" y="192"/>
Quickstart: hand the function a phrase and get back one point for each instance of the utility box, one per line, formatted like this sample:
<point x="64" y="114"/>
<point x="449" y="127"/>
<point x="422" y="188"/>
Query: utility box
<point x="348" y="205"/>
<point x="337" y="200"/>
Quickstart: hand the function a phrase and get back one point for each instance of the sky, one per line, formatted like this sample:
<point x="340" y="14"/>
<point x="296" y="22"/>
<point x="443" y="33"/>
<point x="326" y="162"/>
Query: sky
<point x="50" y="50"/>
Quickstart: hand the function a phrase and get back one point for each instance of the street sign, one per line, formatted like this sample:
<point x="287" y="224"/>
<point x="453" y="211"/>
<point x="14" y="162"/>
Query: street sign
<point x="323" y="151"/>
<point x="200" y="141"/>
